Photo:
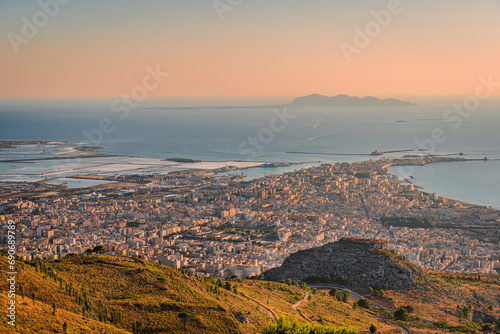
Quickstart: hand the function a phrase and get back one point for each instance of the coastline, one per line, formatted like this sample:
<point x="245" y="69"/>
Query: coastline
<point x="335" y="200"/>
<point x="180" y="166"/>
<point x="426" y="183"/>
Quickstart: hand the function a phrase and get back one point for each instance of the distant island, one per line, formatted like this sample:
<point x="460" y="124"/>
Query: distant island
<point x="313" y="100"/>
<point x="346" y="100"/>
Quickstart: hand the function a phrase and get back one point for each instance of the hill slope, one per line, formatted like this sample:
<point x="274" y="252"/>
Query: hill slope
<point x="109" y="294"/>
<point x="363" y="262"/>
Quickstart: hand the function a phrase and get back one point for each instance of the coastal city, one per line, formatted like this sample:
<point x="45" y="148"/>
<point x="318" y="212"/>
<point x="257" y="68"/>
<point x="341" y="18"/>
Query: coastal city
<point x="230" y="166"/>
<point x="223" y="225"/>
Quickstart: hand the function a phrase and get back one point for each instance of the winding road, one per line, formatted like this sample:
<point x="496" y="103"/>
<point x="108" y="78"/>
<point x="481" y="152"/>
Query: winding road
<point x="405" y="329"/>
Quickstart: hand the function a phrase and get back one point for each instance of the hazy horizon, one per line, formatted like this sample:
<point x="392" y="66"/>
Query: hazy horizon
<point x="249" y="48"/>
<point x="443" y="101"/>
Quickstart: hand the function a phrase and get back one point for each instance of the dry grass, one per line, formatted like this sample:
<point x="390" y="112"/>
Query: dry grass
<point x="323" y="309"/>
<point x="156" y="294"/>
<point x="38" y="319"/>
<point x="442" y="294"/>
<point x="151" y="293"/>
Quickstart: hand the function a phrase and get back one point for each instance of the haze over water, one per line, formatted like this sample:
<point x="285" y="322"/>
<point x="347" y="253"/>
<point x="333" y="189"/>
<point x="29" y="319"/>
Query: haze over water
<point x="216" y="133"/>
<point x="186" y="49"/>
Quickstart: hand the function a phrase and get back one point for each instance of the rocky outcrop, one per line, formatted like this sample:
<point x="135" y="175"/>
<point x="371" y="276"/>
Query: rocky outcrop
<point x="241" y="318"/>
<point x="363" y="262"/>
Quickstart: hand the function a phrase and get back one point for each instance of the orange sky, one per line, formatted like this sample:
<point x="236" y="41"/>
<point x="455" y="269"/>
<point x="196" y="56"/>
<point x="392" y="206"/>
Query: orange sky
<point x="88" y="50"/>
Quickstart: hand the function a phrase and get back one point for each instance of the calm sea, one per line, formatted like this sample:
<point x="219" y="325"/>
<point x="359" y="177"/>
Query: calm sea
<point x="327" y="134"/>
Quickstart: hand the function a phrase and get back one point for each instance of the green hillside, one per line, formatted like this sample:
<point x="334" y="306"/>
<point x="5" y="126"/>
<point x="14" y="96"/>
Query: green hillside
<point x="108" y="294"/>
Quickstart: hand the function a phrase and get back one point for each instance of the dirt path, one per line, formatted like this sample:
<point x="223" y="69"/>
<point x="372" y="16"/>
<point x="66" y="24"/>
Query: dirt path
<point x="298" y="304"/>
<point x="271" y="312"/>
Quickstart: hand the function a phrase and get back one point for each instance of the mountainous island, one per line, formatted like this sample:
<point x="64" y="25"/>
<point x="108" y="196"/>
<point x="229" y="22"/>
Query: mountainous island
<point x="347" y="101"/>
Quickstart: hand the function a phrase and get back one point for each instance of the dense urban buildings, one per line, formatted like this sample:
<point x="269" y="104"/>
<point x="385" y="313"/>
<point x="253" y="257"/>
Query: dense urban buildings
<point x="223" y="225"/>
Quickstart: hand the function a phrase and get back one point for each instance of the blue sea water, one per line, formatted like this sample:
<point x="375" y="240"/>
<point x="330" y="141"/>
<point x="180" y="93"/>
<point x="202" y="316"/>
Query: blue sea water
<point x="475" y="182"/>
<point x="159" y="130"/>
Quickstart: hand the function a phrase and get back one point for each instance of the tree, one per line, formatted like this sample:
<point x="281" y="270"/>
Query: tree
<point x="401" y="314"/>
<point x="373" y="329"/>
<point x="467" y="311"/>
<point x="487" y="328"/>
<point x="88" y="251"/>
<point x="54" y="307"/>
<point x="342" y="280"/>
<point x="285" y="325"/>
<point x="370" y="290"/>
<point x="344" y="295"/>
<point x="33" y="296"/>
<point x="137" y="327"/>
<point x="333" y="292"/>
<point x="116" y="316"/>
<point x="364" y="303"/>
<point x="65" y="327"/>
<point x="99" y="249"/>
<point x="184" y="316"/>
<point x="410" y="308"/>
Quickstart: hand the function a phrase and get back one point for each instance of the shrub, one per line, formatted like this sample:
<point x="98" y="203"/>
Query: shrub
<point x="487" y="328"/>
<point x="401" y="314"/>
<point x="286" y="326"/>
<point x="65" y="327"/>
<point x="364" y="303"/>
<point x="344" y="295"/>
<point x="99" y="249"/>
<point x="467" y="311"/>
<point x="410" y="308"/>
